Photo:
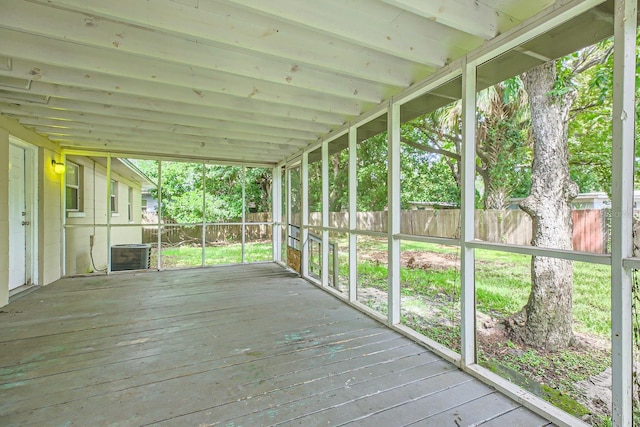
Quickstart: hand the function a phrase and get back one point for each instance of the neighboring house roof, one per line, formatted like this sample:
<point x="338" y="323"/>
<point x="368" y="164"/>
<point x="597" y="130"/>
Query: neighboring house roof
<point x="597" y="200"/>
<point x="133" y="173"/>
<point x="123" y="168"/>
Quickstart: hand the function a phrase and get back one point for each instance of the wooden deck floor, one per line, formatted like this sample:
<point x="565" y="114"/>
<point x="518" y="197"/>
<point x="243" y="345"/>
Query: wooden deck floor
<point x="230" y="346"/>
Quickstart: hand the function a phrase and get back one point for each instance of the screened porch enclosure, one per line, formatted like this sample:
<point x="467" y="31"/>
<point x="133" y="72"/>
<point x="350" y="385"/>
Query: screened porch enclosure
<point x="381" y="175"/>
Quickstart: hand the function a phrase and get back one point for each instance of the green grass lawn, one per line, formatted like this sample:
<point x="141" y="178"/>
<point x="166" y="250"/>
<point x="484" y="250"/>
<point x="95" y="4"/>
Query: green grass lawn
<point x="191" y="256"/>
<point x="503" y="282"/>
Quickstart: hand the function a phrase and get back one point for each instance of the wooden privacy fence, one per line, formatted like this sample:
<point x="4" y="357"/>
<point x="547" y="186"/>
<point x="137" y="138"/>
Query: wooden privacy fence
<point x="590" y="229"/>
<point x="173" y="234"/>
<point x="590" y="226"/>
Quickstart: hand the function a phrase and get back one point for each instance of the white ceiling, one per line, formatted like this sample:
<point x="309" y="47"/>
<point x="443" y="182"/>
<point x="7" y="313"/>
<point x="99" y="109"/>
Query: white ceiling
<point x="231" y="80"/>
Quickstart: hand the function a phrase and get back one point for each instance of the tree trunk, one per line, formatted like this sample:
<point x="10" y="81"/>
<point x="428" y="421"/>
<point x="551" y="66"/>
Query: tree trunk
<point x="546" y="320"/>
<point x="496" y="198"/>
<point x="335" y="194"/>
<point x="493" y="196"/>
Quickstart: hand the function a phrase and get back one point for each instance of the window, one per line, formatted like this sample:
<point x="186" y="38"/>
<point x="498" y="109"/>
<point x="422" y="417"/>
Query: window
<point x="73" y="188"/>
<point x="130" y="205"/>
<point x="114" y="196"/>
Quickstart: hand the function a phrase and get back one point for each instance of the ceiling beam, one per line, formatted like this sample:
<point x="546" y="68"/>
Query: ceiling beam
<point x="58" y="77"/>
<point x="470" y="16"/>
<point x="233" y="29"/>
<point x="82" y="66"/>
<point x="176" y="150"/>
<point x="295" y="119"/>
<point x="90" y="31"/>
<point x="198" y="157"/>
<point x="182" y="147"/>
<point x="372" y="29"/>
<point x="149" y="129"/>
<point x="154" y="137"/>
<point x="66" y="111"/>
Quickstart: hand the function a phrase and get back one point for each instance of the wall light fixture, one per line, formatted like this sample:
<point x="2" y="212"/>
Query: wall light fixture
<point x="58" y="167"/>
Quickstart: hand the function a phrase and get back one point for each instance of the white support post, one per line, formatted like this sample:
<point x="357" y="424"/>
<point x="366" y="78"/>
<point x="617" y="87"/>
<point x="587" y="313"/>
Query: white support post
<point x="108" y="213"/>
<point x="244" y="210"/>
<point x="204" y="214"/>
<point x="276" y="214"/>
<point x="288" y="225"/>
<point x="393" y="226"/>
<point x="353" y="219"/>
<point x="325" y="214"/>
<point x="304" y="220"/>
<point x="159" y="251"/>
<point x="467" y="232"/>
<point x="63" y="219"/>
<point x="622" y="209"/>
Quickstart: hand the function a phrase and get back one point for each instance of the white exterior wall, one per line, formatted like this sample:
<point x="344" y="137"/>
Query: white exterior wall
<point x="95" y="208"/>
<point x="48" y="219"/>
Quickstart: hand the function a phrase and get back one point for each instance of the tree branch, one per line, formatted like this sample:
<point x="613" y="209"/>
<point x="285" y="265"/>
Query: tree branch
<point x="430" y="149"/>
<point x="445" y="153"/>
<point x="584" y="65"/>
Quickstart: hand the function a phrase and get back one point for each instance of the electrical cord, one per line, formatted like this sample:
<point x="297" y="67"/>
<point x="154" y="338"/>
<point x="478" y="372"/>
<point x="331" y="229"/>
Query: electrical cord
<point x="93" y="264"/>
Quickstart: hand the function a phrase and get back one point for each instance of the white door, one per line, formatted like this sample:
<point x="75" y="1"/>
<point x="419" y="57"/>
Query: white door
<point x="18" y="224"/>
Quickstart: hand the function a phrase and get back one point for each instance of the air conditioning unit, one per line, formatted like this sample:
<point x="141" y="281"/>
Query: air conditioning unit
<point x="130" y="257"/>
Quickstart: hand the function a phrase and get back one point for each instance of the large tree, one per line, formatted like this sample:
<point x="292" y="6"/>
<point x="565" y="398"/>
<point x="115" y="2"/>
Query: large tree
<point x="547" y="318"/>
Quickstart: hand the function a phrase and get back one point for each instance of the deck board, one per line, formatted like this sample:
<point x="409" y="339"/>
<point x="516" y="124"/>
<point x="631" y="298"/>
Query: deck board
<point x="245" y="345"/>
<point x="517" y="417"/>
<point x="473" y="412"/>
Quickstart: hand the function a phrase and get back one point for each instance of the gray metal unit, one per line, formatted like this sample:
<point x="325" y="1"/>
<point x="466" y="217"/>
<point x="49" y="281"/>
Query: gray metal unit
<point x="130" y="257"/>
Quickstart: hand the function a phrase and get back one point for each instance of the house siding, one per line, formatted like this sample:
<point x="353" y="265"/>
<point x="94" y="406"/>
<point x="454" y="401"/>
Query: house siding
<point x="49" y="211"/>
<point x="95" y="211"/>
<point x="48" y="248"/>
